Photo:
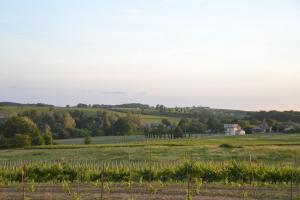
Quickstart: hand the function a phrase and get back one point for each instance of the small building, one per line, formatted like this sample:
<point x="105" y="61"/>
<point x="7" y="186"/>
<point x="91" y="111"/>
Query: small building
<point x="233" y="129"/>
<point x="288" y="128"/>
<point x="152" y="125"/>
<point x="262" y="128"/>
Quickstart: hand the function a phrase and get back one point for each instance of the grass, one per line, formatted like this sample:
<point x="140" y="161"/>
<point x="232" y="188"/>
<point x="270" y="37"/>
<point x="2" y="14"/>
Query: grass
<point x="274" y="149"/>
<point x="104" y="140"/>
<point x="198" y="139"/>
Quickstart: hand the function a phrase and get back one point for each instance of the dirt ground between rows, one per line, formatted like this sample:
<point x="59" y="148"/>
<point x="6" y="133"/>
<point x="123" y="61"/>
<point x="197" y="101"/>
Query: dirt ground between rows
<point x="141" y="192"/>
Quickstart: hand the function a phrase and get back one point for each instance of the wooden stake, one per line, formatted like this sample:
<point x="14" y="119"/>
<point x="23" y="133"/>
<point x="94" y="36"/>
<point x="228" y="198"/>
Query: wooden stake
<point x="102" y="181"/>
<point x="23" y="182"/>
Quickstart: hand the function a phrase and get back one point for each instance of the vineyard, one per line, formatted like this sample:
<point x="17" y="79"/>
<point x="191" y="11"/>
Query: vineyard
<point x="225" y="168"/>
<point x="148" y="178"/>
<point x="231" y="171"/>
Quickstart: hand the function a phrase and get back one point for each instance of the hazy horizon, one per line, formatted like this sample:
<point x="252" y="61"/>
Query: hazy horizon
<point x="234" y="55"/>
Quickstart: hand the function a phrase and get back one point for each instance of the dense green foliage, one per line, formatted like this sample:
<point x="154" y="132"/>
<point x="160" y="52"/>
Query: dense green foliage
<point x="64" y="124"/>
<point x="20" y="132"/>
<point x="87" y="140"/>
<point x="209" y="172"/>
<point x="285" y="116"/>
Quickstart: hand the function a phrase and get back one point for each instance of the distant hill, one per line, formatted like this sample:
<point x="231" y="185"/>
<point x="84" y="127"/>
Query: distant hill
<point x="10" y="104"/>
<point x="22" y="104"/>
<point x="127" y="105"/>
<point x="155" y="114"/>
<point x="133" y="105"/>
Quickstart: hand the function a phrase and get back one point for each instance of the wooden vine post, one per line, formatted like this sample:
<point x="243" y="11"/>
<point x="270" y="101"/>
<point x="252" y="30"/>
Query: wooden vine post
<point x="102" y="182"/>
<point x="23" y="182"/>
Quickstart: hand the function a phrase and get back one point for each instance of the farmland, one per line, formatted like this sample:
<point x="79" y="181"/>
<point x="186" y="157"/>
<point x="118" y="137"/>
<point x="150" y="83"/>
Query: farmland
<point x="273" y="148"/>
<point x="155" y="190"/>
<point x="157" y="169"/>
<point x="194" y="166"/>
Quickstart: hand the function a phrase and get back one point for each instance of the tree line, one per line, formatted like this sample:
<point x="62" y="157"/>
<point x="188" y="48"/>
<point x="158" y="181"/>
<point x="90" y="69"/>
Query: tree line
<point x="42" y="126"/>
<point x="37" y="127"/>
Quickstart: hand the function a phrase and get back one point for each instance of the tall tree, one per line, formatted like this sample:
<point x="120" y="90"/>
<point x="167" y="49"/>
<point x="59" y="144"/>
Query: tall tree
<point x="178" y="133"/>
<point x="68" y="121"/>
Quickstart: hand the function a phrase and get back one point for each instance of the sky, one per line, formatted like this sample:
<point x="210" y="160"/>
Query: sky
<point x="235" y="54"/>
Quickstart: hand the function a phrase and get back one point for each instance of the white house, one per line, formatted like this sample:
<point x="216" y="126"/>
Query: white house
<point x="233" y="129"/>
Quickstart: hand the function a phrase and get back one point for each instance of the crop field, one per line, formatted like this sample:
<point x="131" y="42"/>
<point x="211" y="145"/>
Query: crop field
<point x="149" y="180"/>
<point x="265" y="166"/>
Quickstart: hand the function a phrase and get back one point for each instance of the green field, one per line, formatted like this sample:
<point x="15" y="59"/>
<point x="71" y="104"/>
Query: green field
<point x="272" y="148"/>
<point x="104" y="140"/>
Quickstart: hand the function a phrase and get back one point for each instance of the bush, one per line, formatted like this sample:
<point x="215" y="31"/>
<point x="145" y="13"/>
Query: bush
<point x="87" y="140"/>
<point x="229" y="146"/>
<point x="38" y="140"/>
<point x="226" y="146"/>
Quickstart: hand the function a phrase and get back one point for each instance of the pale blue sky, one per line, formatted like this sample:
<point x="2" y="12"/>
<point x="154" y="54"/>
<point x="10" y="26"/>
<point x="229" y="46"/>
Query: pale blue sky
<point x="241" y="54"/>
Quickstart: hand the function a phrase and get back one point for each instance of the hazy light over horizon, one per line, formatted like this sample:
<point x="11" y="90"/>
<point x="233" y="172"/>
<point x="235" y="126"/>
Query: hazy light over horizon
<point x="234" y="54"/>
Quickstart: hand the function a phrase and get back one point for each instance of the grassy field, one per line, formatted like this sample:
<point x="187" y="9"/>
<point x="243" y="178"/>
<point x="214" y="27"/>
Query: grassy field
<point x="197" y="139"/>
<point x="104" y="140"/>
<point x="273" y="148"/>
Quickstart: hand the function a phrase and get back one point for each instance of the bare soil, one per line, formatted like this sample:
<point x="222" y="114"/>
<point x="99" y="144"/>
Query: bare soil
<point x="153" y="191"/>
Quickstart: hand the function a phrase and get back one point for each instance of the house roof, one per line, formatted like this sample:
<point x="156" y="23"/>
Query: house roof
<point x="231" y="125"/>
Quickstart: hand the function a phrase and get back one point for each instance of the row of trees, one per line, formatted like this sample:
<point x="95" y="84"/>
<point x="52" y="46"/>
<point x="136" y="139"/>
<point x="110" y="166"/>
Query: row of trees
<point x="36" y="127"/>
<point x="64" y="124"/>
<point x="184" y="128"/>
